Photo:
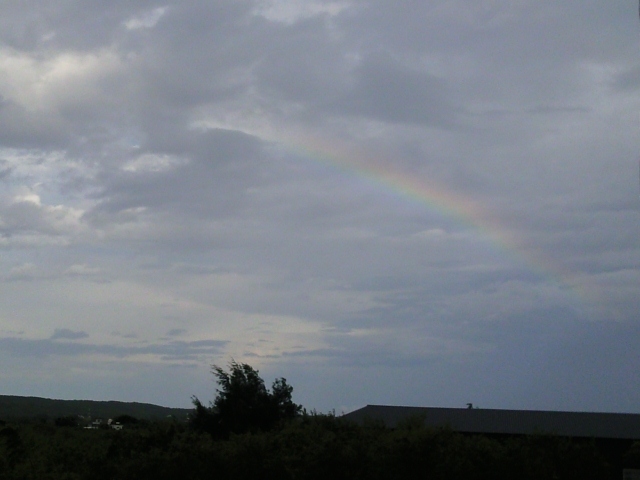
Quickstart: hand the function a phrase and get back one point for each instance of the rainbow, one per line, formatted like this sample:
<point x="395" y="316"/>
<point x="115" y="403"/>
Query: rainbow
<point x="464" y="211"/>
<point x="444" y="202"/>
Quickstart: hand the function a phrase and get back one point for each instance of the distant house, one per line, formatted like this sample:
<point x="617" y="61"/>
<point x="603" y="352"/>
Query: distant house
<point x="95" y="425"/>
<point x="98" y="423"/>
<point x="614" y="433"/>
<point x="114" y="425"/>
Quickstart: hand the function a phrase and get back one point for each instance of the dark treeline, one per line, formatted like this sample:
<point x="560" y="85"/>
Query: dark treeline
<point x="251" y="432"/>
<point x="310" y="447"/>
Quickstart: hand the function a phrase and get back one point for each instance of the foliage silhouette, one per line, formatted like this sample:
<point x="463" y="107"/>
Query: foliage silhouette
<point x="244" y="434"/>
<point x="243" y="403"/>
<point x="314" y="447"/>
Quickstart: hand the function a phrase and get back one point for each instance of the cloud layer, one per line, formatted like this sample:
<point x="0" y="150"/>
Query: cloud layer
<point x="384" y="202"/>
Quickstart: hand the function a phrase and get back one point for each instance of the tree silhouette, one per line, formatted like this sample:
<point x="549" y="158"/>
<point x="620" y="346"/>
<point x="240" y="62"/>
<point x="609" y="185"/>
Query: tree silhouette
<point x="243" y="403"/>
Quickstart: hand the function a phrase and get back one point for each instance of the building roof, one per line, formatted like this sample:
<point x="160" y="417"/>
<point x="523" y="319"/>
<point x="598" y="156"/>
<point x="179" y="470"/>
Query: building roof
<point x="513" y="422"/>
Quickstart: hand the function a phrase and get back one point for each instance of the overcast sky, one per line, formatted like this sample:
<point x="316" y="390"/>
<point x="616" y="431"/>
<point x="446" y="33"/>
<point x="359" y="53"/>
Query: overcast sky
<point x="403" y="202"/>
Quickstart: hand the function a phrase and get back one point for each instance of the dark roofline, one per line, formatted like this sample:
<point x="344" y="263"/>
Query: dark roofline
<point x="511" y="422"/>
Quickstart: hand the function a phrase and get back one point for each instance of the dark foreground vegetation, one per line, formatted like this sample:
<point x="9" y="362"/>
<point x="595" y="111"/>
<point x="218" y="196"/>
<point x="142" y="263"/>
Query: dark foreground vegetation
<point x="235" y="444"/>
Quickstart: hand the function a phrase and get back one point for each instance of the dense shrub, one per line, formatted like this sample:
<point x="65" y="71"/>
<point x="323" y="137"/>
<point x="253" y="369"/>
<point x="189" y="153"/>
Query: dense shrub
<point x="312" y="447"/>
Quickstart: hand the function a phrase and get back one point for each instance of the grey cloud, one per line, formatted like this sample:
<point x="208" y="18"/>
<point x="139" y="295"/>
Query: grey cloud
<point x="22" y="129"/>
<point x="200" y="269"/>
<point x="159" y="74"/>
<point x="288" y="72"/>
<point x="375" y="351"/>
<point x="496" y="167"/>
<point x="551" y="109"/>
<point x="220" y="168"/>
<point x="182" y="75"/>
<point x="66" y="25"/>
<point x="67" y="334"/>
<point x="28" y="217"/>
<point x="628" y="80"/>
<point x="5" y="172"/>
<point x="24" y="272"/>
<point x="505" y="36"/>
<point x="176" y="332"/>
<point x="516" y="359"/>
<point x="170" y="351"/>
<point x="125" y="335"/>
<point x="24" y="217"/>
<point x="565" y="346"/>
<point x="387" y="91"/>
<point x="370" y="357"/>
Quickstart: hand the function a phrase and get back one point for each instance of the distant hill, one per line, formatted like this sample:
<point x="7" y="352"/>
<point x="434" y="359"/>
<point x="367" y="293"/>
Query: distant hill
<point x="15" y="407"/>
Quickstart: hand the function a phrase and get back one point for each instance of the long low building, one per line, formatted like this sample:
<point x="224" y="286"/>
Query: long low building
<point x="622" y="426"/>
<point x="614" y="434"/>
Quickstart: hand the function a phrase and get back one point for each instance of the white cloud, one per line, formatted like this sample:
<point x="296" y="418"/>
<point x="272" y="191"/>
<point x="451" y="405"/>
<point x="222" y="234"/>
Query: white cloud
<point x="82" y="269"/>
<point x="63" y="81"/>
<point x="25" y="271"/>
<point x="26" y="215"/>
<point x="152" y="163"/>
<point x="291" y="11"/>
<point x="147" y="19"/>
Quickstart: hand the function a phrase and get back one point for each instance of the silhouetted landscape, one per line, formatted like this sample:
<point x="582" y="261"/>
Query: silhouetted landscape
<point x="29" y="408"/>
<point x="250" y="431"/>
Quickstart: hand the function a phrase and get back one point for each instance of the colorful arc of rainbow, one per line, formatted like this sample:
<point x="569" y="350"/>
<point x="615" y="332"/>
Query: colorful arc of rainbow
<point x="445" y="202"/>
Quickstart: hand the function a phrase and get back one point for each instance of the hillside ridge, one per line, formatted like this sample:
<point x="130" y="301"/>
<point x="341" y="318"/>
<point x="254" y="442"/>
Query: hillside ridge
<point x="14" y="406"/>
